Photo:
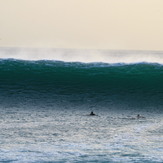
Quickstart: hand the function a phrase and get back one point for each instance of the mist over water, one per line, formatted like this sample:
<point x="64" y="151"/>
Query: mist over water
<point x="76" y="55"/>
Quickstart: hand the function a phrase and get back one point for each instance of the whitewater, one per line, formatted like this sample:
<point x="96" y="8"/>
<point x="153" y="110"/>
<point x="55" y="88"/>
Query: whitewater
<point x="46" y="96"/>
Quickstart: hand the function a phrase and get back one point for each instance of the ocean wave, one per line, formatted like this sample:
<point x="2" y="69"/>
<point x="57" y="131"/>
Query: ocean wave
<point x="75" y="78"/>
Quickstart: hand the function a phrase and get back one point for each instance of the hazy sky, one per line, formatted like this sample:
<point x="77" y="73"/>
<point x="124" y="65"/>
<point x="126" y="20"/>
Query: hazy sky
<point x="99" y="24"/>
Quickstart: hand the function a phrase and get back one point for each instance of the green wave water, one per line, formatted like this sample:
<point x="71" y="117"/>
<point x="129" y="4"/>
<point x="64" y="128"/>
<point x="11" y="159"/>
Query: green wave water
<point x="81" y="82"/>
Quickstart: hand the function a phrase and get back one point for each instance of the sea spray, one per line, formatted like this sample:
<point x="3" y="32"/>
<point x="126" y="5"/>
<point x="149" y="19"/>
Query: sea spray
<point x="81" y="55"/>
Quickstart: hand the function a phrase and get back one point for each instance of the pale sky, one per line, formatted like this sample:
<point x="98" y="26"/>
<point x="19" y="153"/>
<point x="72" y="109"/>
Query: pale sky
<point x="84" y="24"/>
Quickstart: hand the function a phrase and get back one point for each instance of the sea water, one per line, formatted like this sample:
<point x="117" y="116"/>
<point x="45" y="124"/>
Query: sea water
<point x="45" y="107"/>
<point x="54" y="135"/>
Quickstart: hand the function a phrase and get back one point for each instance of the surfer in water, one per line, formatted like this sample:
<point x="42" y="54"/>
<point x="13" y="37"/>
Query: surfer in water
<point x="92" y="113"/>
<point x="139" y="116"/>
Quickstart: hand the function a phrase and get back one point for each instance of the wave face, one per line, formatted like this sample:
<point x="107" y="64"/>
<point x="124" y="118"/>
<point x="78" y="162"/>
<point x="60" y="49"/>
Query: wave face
<point x="74" y="82"/>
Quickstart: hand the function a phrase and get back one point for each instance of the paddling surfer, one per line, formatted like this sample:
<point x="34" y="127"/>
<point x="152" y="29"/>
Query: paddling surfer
<point x="139" y="116"/>
<point x="92" y="113"/>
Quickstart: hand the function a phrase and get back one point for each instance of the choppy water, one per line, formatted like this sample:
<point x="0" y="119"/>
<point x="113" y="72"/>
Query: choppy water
<point x="54" y="135"/>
